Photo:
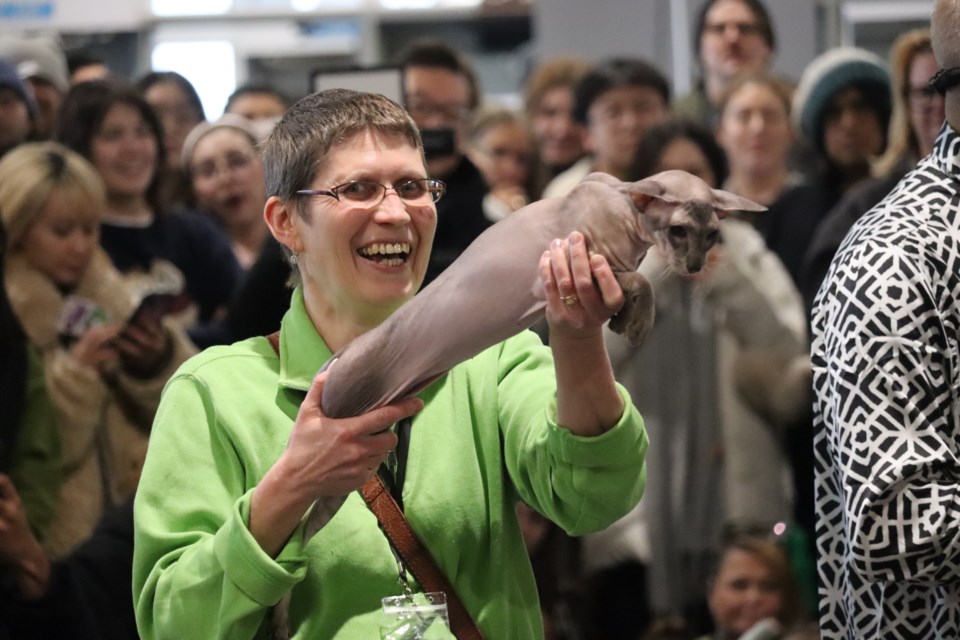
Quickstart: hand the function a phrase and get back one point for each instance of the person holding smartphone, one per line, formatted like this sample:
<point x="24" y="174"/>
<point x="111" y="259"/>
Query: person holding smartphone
<point x="104" y="371"/>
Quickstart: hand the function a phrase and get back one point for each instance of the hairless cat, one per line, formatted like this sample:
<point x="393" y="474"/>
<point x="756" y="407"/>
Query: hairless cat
<point x="493" y="290"/>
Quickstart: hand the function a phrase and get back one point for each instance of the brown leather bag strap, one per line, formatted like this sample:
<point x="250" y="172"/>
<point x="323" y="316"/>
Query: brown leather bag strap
<point x="274" y="339"/>
<point x="414" y="555"/>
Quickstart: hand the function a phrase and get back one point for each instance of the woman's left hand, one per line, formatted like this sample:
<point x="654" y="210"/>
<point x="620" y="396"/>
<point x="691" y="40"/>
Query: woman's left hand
<point x="582" y="293"/>
<point x="145" y="346"/>
<point x="581" y="290"/>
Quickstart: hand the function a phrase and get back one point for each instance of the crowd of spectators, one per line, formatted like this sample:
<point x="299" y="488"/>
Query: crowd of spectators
<point x="119" y="193"/>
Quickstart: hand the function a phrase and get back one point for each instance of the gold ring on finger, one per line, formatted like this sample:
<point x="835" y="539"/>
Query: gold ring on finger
<point x="568" y="300"/>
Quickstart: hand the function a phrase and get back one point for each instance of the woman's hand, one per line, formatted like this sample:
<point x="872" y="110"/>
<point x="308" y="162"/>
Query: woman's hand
<point x="581" y="290"/>
<point x="324" y="457"/>
<point x="334" y="457"/>
<point x="19" y="548"/>
<point x="96" y="348"/>
<point x="145" y="346"/>
<point x="582" y="293"/>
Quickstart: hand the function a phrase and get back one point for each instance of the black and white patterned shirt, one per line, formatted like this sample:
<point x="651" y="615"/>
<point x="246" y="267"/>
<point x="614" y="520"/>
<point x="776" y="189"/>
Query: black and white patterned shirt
<point x="886" y="375"/>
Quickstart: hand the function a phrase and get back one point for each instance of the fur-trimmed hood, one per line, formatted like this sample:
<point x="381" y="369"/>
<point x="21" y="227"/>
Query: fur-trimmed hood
<point x="38" y="302"/>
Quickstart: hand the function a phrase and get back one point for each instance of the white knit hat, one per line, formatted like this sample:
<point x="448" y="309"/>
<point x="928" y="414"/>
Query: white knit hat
<point x="258" y="131"/>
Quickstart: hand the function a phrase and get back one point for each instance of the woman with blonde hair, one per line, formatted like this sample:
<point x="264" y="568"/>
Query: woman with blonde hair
<point x="501" y="147"/>
<point x="548" y="102"/>
<point x="104" y="366"/>
<point x="755" y="132"/>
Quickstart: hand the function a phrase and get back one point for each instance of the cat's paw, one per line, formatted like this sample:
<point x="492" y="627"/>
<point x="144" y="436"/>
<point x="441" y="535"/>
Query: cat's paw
<point x="635" y="318"/>
<point x="633" y="323"/>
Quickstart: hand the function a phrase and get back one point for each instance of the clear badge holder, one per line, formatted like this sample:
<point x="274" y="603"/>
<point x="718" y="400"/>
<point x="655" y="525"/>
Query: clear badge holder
<point x="416" y="616"/>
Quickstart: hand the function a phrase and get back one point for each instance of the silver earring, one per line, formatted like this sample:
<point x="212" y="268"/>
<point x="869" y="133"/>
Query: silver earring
<point x="293" y="259"/>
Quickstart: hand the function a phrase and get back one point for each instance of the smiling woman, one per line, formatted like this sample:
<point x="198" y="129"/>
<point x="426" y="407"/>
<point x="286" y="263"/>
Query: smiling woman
<point x="119" y="133"/>
<point x="336" y="238"/>
<point x="752" y="589"/>
<point x="350" y="201"/>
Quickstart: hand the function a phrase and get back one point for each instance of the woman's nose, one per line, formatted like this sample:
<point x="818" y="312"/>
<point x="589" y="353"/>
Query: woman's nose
<point x="392" y="209"/>
<point x="82" y="243"/>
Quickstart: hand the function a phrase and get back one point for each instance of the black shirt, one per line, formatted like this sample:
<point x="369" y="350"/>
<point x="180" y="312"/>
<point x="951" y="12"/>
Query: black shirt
<point x="460" y="217"/>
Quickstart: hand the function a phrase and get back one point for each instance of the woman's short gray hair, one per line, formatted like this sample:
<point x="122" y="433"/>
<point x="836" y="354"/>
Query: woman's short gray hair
<point x="303" y="137"/>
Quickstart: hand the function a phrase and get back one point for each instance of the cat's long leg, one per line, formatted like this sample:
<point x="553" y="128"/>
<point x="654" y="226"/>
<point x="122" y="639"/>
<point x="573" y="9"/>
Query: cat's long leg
<point x="635" y="319"/>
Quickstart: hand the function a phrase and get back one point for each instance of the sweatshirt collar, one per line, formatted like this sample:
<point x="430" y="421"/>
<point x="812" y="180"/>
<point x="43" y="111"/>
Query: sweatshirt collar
<point x="302" y="351"/>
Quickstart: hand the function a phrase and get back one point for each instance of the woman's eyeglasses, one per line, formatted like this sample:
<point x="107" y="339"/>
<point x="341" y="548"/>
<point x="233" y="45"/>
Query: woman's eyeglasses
<point x="920" y="96"/>
<point x="370" y="194"/>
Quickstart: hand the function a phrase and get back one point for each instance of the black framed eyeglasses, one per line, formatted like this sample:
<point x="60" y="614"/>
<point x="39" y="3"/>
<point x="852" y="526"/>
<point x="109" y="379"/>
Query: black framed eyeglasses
<point x="364" y="193"/>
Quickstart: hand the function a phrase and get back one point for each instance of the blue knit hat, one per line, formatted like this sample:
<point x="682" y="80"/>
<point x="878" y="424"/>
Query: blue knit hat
<point x="831" y="72"/>
<point x="10" y="79"/>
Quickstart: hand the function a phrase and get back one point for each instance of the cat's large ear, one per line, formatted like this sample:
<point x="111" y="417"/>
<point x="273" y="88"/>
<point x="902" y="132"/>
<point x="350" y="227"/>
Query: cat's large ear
<point x="643" y="191"/>
<point x="726" y="203"/>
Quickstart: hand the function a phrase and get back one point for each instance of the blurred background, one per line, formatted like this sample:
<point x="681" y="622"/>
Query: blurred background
<point x="284" y="42"/>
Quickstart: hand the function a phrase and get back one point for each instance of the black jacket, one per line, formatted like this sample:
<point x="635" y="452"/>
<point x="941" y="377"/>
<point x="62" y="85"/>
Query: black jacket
<point x="90" y="597"/>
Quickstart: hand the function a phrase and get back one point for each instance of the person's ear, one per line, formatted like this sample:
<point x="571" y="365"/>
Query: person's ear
<point x="281" y="218"/>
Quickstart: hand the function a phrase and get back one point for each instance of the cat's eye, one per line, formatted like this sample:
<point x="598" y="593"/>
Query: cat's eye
<point x="678" y="232"/>
<point x="712" y="237"/>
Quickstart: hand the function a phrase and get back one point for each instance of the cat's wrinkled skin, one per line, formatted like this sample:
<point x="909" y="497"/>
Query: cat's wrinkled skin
<point x="493" y="290"/>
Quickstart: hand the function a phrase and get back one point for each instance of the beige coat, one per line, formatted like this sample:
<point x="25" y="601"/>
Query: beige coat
<point x="103" y="424"/>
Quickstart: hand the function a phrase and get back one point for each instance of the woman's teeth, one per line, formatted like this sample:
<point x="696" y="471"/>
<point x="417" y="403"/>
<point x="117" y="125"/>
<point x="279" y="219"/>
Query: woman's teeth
<point x="390" y="254"/>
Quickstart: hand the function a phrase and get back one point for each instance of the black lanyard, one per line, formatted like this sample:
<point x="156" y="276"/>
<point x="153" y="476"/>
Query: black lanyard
<point x="393" y="471"/>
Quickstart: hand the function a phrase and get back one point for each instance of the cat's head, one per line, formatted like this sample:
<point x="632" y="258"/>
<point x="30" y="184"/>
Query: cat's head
<point x="683" y="213"/>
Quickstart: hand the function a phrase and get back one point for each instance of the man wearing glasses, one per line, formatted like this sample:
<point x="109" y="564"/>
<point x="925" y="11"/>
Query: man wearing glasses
<point x="441" y="93"/>
<point x="733" y="37"/>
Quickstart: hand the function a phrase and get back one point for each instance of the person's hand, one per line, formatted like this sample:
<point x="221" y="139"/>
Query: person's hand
<point x="581" y="290"/>
<point x="335" y="457"/>
<point x="582" y="293"/>
<point x="18" y="546"/>
<point x="144" y="345"/>
<point x="325" y="457"/>
<point x="96" y="348"/>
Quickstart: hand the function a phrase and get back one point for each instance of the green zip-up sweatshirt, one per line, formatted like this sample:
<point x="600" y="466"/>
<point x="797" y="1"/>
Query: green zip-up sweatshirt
<point x="485" y="438"/>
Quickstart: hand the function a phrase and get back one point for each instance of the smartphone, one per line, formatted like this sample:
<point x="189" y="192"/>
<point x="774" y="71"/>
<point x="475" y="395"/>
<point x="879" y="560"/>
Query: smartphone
<point x="157" y="305"/>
